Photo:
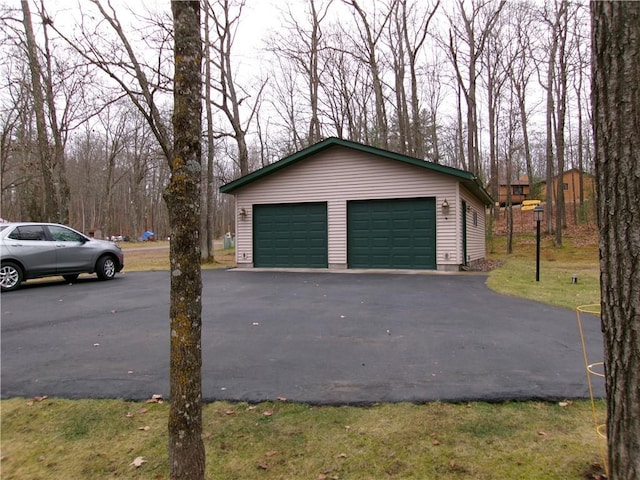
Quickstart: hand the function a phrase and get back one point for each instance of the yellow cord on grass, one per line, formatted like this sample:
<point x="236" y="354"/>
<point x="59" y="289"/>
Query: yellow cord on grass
<point x="593" y="309"/>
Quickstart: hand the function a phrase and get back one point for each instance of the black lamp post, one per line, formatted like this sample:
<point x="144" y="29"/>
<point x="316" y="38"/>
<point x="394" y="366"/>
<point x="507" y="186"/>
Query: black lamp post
<point x="537" y="215"/>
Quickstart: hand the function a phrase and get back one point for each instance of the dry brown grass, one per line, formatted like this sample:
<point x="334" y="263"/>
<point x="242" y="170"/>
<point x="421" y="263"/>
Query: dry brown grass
<point x="150" y="256"/>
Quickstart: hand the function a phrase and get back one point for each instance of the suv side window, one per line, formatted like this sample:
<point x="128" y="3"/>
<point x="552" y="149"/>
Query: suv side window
<point x="61" y="234"/>
<point x="28" y="232"/>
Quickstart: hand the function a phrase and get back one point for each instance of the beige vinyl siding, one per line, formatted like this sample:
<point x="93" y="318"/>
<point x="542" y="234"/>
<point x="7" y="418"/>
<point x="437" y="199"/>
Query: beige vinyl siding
<point x="337" y="218"/>
<point x="447" y="230"/>
<point x="338" y="175"/>
<point x="476" y="236"/>
<point x="243" y="234"/>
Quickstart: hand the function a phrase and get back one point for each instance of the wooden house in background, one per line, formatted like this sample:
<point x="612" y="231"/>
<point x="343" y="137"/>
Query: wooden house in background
<point x="520" y="191"/>
<point x="571" y="186"/>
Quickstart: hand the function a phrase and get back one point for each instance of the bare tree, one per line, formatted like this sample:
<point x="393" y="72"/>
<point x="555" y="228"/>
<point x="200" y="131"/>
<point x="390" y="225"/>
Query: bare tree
<point x="561" y="116"/>
<point x="414" y="41"/>
<point x="616" y="108"/>
<point x="400" y="140"/>
<point x="19" y="170"/>
<point x="143" y="84"/>
<point x="207" y="219"/>
<point x="497" y="60"/>
<point x="303" y="47"/>
<point x="54" y="209"/>
<point x="523" y="68"/>
<point x="283" y="99"/>
<point x="474" y="37"/>
<point x="347" y="91"/>
<point x="581" y="49"/>
<point x="226" y="15"/>
<point x="370" y="35"/>
<point x="556" y="21"/>
<point x="433" y="88"/>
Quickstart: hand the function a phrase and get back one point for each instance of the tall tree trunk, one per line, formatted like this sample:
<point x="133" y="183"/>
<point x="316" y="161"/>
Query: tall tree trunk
<point x="549" y="144"/>
<point x="50" y="207"/>
<point x="561" y="107"/>
<point x="521" y="92"/>
<point x="207" y="219"/>
<point x="460" y="137"/>
<point x="616" y="109"/>
<point x="186" y="448"/>
<point x="580" y="136"/>
<point x="472" y="124"/>
<point x="61" y="186"/>
<point x="492" y="104"/>
<point x="314" y="76"/>
<point x="509" y="172"/>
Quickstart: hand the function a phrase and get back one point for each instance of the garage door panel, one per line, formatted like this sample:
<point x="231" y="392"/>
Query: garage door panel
<point x="394" y="233"/>
<point x="290" y="235"/>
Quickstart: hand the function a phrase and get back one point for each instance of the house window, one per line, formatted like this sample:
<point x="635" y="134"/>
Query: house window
<point x="517" y="190"/>
<point x="565" y="186"/>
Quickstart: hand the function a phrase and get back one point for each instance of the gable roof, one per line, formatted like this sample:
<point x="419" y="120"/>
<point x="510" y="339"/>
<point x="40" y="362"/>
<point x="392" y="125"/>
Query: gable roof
<point x="466" y="178"/>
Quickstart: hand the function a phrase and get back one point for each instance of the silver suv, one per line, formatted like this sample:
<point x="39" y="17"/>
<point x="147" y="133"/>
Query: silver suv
<point x="35" y="250"/>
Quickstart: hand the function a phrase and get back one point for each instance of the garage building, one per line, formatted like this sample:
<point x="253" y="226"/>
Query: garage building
<point x="340" y="204"/>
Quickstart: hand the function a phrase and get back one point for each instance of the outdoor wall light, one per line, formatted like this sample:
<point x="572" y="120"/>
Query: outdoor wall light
<point x="445" y="206"/>
<point x="242" y="213"/>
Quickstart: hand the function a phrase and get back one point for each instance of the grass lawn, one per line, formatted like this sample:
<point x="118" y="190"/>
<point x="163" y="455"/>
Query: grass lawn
<point x="100" y="439"/>
<point x="57" y="439"/>
<point x="517" y="275"/>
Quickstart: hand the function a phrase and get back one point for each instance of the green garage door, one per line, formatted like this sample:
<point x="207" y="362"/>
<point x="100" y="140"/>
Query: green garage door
<point x="290" y="235"/>
<point x="398" y="233"/>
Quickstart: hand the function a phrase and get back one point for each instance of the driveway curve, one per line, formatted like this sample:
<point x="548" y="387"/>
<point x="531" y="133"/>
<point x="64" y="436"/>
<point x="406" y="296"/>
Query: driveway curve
<point x="322" y="338"/>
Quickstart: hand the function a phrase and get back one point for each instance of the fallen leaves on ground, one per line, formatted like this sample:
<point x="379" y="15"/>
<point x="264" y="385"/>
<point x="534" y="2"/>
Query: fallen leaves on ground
<point x="36" y="400"/>
<point x="138" y="461"/>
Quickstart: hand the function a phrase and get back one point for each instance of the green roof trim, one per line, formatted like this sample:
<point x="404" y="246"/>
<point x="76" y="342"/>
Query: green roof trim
<point x="466" y="178"/>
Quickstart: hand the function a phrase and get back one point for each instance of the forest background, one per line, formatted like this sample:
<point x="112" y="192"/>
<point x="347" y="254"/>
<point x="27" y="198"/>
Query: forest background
<point x="497" y="88"/>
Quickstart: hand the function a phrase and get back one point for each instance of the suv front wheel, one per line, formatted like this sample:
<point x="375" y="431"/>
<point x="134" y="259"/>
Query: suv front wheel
<point x="106" y="268"/>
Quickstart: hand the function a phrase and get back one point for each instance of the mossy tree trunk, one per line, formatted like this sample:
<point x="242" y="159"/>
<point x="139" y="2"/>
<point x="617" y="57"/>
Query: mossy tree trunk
<point x="186" y="449"/>
<point x="616" y="108"/>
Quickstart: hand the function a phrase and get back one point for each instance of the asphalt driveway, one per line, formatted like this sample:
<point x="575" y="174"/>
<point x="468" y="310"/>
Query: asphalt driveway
<point x="308" y="337"/>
